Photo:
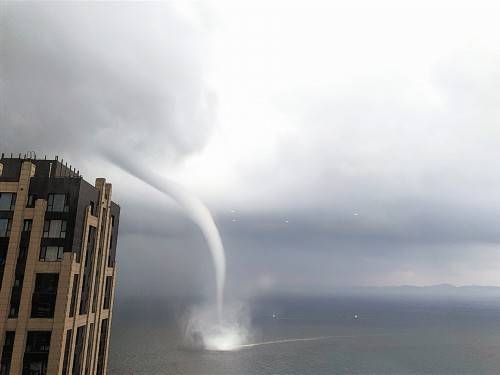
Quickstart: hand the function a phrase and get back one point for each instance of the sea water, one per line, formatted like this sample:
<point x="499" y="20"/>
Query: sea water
<point x="392" y="335"/>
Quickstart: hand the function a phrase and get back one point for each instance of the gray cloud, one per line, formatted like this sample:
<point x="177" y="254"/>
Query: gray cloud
<point x="380" y="182"/>
<point x="75" y="76"/>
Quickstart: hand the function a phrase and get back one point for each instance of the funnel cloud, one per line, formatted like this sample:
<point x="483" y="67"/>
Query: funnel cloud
<point x="196" y="211"/>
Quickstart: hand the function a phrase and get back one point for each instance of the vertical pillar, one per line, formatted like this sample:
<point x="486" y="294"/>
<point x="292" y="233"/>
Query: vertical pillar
<point x="27" y="171"/>
<point x="63" y="301"/>
<point x="28" y="285"/>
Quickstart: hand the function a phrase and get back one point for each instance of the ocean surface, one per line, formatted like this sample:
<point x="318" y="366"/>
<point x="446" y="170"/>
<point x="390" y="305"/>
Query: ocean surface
<point x="391" y="335"/>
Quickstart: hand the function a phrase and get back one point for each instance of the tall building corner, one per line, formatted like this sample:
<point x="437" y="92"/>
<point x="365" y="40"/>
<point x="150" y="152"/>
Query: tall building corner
<point x="58" y="237"/>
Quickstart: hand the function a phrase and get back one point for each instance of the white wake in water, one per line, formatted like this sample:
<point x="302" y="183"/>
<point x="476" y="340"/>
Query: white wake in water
<point x="284" y="341"/>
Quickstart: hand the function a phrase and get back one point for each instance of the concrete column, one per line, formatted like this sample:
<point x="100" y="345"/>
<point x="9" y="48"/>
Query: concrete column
<point x="28" y="286"/>
<point x="63" y="301"/>
<point x="27" y="171"/>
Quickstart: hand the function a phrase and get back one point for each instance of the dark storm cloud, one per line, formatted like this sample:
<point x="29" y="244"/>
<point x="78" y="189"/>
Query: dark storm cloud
<point x="375" y="185"/>
<point x="79" y="76"/>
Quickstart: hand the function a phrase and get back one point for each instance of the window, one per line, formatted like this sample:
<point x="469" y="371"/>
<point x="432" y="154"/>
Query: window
<point x="103" y="339"/>
<point x="84" y="295"/>
<point x="7" y="352"/>
<point x="3" y="256"/>
<point x="73" y="296"/>
<point x="44" y="295"/>
<point x="92" y="208"/>
<point x="31" y="200"/>
<point x="87" y="273"/>
<point x="79" y="343"/>
<point x="15" y="297"/>
<point x="38" y="342"/>
<point x="28" y="223"/>
<point x="7" y="201"/>
<point x="37" y="352"/>
<point x="107" y="293"/>
<point x="67" y="349"/>
<point x="57" y="203"/>
<point x="54" y="229"/>
<point x="5" y="227"/>
<point x="89" y="257"/>
<point x="51" y="253"/>
<point x="89" y="349"/>
<point x="23" y="253"/>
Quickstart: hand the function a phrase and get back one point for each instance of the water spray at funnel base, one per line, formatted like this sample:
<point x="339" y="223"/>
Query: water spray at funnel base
<point x="214" y="333"/>
<point x="227" y="335"/>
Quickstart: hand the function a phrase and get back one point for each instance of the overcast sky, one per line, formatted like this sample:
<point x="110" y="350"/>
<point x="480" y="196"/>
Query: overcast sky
<point x="340" y="144"/>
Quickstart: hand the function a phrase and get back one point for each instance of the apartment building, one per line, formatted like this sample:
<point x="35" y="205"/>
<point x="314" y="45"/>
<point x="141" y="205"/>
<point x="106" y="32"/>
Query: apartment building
<point x="58" y="236"/>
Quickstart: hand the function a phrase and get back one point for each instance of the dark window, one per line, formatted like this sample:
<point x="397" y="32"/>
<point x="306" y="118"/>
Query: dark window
<point x="44" y="296"/>
<point x="57" y="203"/>
<point x="96" y="287"/>
<point x="92" y="207"/>
<point x="31" y="200"/>
<point x="28" y="223"/>
<point x="3" y="255"/>
<point x="73" y="296"/>
<point x="103" y="338"/>
<point x="7" y="201"/>
<point x="87" y="275"/>
<point x="23" y="253"/>
<point x="77" y="358"/>
<point x="67" y="350"/>
<point x="107" y="295"/>
<point x="15" y="297"/>
<point x="90" y="247"/>
<point x="111" y="260"/>
<point x="51" y="253"/>
<point x="37" y="353"/>
<point x="7" y="352"/>
<point x="84" y="297"/>
<point x="38" y="342"/>
<point x="54" y="229"/>
<point x="89" y="349"/>
<point x="5" y="227"/>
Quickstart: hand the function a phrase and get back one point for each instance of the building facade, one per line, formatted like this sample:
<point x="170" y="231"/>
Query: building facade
<point x="58" y="237"/>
